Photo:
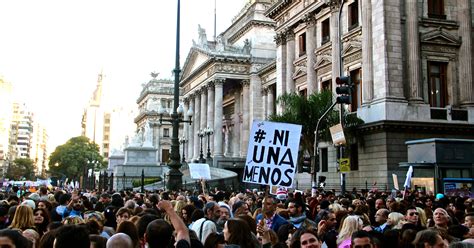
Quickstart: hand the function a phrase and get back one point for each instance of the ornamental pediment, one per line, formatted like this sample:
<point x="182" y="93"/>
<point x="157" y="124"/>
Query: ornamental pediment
<point x="299" y="72"/>
<point x="440" y="37"/>
<point x="323" y="60"/>
<point x="194" y="60"/>
<point x="351" y="47"/>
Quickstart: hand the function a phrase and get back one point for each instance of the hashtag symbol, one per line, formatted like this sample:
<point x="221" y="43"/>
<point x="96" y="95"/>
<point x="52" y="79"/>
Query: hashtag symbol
<point x="259" y="136"/>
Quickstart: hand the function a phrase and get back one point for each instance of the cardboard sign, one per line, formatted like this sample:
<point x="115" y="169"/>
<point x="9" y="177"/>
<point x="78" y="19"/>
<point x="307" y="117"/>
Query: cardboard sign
<point x="199" y="171"/>
<point x="395" y="181"/>
<point x="337" y="134"/>
<point x="272" y="153"/>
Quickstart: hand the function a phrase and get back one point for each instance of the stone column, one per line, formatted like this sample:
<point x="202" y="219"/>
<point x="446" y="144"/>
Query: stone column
<point x="255" y="93"/>
<point x="157" y="131"/>
<point x="197" y="123"/>
<point x="264" y="103"/>
<point x="280" y="40"/>
<point x="190" y="134"/>
<point x="271" y="100"/>
<point x="245" y="117"/>
<point x="210" y="109"/>
<point x="237" y="125"/>
<point x="413" y="51"/>
<point x="218" y="114"/>
<point x="465" y="53"/>
<point x="185" y="128"/>
<point x="204" y="108"/>
<point x="311" y="77"/>
<point x="335" y="43"/>
<point x="367" y="59"/>
<point x="290" y="58"/>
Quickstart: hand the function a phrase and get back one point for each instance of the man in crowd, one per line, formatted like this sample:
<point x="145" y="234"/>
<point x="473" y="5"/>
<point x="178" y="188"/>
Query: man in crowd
<point x="381" y="217"/>
<point x="298" y="217"/>
<point x="361" y="239"/>
<point x="327" y="228"/>
<point x="268" y="216"/>
<point x="206" y="225"/>
<point x="412" y="215"/>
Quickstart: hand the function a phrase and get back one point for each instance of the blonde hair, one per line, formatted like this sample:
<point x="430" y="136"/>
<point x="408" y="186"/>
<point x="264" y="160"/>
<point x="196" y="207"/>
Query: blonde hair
<point x="422" y="216"/>
<point x="73" y="220"/>
<point x="336" y="207"/>
<point x="24" y="218"/>
<point x="179" y="206"/>
<point x="351" y="224"/>
<point x="396" y="219"/>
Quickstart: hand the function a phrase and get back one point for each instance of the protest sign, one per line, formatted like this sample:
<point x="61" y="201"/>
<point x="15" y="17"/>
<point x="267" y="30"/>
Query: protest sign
<point x="199" y="171"/>
<point x="272" y="153"/>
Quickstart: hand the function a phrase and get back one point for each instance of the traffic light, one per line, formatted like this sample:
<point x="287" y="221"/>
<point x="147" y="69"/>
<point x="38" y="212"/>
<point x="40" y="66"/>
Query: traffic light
<point x="344" y="90"/>
<point x="306" y="166"/>
<point x="322" y="181"/>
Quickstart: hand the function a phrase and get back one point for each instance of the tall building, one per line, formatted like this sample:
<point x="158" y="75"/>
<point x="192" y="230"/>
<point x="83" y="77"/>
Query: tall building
<point x="410" y="63"/>
<point x="6" y="115"/>
<point x="22" y="131"/>
<point x="39" y="151"/>
<point x="106" y="124"/>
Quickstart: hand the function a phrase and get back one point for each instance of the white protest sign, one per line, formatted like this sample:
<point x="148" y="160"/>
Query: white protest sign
<point x="272" y="153"/>
<point x="199" y="171"/>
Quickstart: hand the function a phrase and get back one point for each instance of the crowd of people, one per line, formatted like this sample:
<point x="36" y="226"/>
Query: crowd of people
<point x="53" y="217"/>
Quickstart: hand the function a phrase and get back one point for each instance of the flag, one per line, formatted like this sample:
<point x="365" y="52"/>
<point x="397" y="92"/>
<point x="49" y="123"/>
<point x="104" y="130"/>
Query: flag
<point x="408" y="179"/>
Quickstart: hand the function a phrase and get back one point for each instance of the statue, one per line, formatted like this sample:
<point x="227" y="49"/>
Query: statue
<point x="148" y="135"/>
<point x="220" y="43"/>
<point x="202" y="36"/>
<point x="247" y="46"/>
<point x="137" y="139"/>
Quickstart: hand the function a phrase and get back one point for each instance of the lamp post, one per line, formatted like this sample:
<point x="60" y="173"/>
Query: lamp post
<point x="201" y="135"/>
<point x="209" y="131"/>
<point x="123" y="181"/>
<point x="175" y="179"/>
<point x="183" y="141"/>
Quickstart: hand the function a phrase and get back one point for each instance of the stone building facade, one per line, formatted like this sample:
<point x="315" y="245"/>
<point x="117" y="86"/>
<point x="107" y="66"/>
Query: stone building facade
<point x="410" y="61"/>
<point x="222" y="85"/>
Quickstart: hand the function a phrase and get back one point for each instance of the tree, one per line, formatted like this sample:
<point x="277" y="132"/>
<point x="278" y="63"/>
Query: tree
<point x="306" y="111"/>
<point x="71" y="159"/>
<point x="21" y="168"/>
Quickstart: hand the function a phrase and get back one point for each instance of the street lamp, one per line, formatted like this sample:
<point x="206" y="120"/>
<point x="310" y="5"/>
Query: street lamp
<point x="183" y="141"/>
<point x="201" y="135"/>
<point x="208" y="131"/>
<point x="175" y="180"/>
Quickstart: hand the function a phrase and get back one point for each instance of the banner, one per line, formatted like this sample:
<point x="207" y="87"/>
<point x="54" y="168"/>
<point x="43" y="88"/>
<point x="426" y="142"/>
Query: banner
<point x="272" y="153"/>
<point x="199" y="171"/>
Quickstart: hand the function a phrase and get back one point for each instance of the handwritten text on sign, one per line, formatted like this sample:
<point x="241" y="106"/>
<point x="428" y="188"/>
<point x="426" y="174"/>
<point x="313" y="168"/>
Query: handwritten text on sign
<point x="272" y="153"/>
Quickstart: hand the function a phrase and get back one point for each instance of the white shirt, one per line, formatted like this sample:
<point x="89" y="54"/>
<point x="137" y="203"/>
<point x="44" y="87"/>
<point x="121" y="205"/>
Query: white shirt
<point x="208" y="227"/>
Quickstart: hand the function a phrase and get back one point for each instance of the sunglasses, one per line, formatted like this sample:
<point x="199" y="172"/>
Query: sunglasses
<point x="414" y="213"/>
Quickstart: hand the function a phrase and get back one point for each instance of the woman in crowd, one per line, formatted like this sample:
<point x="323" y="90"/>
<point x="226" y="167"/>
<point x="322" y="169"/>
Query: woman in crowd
<point x="395" y="220"/>
<point x="23" y="218"/>
<point x="351" y="224"/>
<point x="237" y="232"/>
<point x="186" y="213"/>
<point x="13" y="238"/>
<point x="131" y="230"/>
<point x="41" y="219"/>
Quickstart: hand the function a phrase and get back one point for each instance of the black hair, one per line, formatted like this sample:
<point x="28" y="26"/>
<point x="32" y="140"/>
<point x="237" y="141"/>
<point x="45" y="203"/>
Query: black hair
<point x="16" y="237"/>
<point x="361" y="234"/>
<point x="72" y="236"/>
<point x="159" y="233"/>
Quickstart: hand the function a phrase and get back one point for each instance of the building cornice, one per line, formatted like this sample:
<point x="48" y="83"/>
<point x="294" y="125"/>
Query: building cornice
<point x="247" y="27"/>
<point x="277" y="8"/>
<point x="416" y="126"/>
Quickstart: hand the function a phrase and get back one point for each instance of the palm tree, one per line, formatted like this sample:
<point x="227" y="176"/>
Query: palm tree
<point x="306" y="111"/>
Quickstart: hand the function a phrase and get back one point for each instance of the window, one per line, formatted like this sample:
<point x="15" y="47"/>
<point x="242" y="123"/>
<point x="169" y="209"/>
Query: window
<point x="106" y="154"/>
<point x="326" y="85"/>
<point x="166" y="132"/>
<point x="165" y="155"/>
<point x="357" y="91"/>
<point x="323" y="152"/>
<point x="437" y="89"/>
<point x="353" y="15"/>
<point x="304" y="92"/>
<point x="325" y="33"/>
<point x="354" y="157"/>
<point x="436" y="9"/>
<point x="302" y="43"/>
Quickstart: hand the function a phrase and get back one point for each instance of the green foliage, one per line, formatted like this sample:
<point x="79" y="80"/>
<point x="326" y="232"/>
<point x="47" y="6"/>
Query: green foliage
<point x="138" y="182"/>
<point x="306" y="111"/>
<point x="71" y="159"/>
<point x="21" y="168"/>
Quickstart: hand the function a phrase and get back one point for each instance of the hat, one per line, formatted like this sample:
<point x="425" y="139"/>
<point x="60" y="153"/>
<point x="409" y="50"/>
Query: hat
<point x="29" y="203"/>
<point x="223" y="205"/>
<point x="34" y="197"/>
<point x="439" y="196"/>
<point x="281" y="194"/>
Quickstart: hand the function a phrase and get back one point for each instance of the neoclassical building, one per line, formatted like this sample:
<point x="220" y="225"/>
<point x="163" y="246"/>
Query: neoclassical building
<point x="410" y="62"/>
<point x="411" y="65"/>
<point x="221" y="83"/>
